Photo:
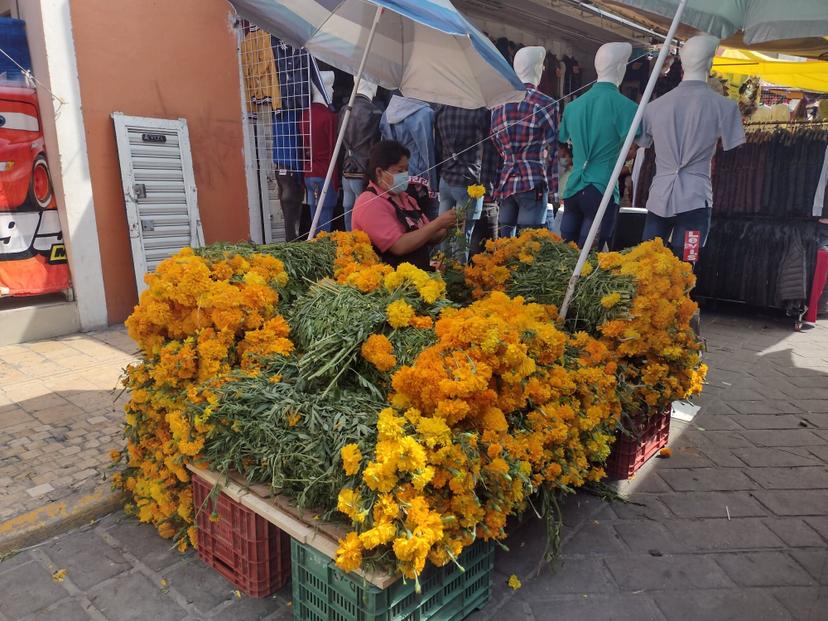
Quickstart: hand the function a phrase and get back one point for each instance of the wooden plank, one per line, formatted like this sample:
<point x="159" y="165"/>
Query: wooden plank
<point x="278" y="510"/>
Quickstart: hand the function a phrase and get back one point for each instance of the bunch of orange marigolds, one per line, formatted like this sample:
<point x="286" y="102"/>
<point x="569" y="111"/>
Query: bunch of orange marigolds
<point x="195" y="322"/>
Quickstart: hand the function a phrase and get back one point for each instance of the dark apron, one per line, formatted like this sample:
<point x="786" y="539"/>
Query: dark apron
<point x="409" y="218"/>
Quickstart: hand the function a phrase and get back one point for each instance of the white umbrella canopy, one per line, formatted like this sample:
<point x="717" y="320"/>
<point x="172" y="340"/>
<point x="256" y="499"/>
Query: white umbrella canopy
<point x="759" y="20"/>
<point x="424" y="48"/>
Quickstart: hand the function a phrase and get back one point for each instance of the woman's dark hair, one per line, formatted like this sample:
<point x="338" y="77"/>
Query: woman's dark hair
<point x="384" y="155"/>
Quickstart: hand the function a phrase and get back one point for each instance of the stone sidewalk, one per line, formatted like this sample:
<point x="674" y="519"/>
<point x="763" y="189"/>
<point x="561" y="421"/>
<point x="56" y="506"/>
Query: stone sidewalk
<point x="734" y="526"/>
<point x="60" y="415"/>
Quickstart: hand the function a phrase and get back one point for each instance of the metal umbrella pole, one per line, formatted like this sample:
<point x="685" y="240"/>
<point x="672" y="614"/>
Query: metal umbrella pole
<point x="341" y="137"/>
<point x="619" y="164"/>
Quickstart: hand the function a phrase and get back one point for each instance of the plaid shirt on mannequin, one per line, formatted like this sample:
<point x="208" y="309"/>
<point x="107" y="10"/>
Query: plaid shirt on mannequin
<point x="526" y="136"/>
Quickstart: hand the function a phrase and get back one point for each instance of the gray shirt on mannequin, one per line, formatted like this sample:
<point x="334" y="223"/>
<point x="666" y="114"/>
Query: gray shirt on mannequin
<point x="685" y="125"/>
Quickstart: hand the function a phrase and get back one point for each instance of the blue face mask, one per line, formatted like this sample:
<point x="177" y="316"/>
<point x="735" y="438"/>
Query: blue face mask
<point x="399" y="182"/>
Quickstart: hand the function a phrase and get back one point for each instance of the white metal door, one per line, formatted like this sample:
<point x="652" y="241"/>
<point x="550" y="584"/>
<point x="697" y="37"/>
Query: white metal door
<point x="159" y="189"/>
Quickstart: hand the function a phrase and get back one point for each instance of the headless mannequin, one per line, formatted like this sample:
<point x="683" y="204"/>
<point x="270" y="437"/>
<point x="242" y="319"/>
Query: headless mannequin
<point x="697" y="57"/>
<point x="321" y="125"/>
<point x="460" y="134"/>
<point x="611" y="62"/>
<point x="530" y="152"/>
<point x="681" y="195"/>
<point x="367" y="89"/>
<point x="596" y="124"/>
<point x="361" y="135"/>
<point x="529" y="64"/>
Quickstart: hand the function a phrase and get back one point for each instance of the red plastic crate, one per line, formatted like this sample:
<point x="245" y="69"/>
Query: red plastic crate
<point x="629" y="453"/>
<point x="243" y="547"/>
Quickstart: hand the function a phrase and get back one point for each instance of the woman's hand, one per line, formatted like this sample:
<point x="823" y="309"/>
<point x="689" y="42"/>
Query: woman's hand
<point x="446" y="220"/>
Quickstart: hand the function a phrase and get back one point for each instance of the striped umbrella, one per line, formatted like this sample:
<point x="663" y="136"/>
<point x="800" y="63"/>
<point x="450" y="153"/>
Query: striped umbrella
<point x="424" y="48"/>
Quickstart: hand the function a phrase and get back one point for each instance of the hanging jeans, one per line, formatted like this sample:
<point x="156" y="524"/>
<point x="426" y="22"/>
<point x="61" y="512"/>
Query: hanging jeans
<point x="457" y="197"/>
<point x="526" y="210"/>
<point x="678" y="225"/>
<point x="314" y="189"/>
<point x="290" y="199"/>
<point x="351" y="189"/>
<point x="579" y="214"/>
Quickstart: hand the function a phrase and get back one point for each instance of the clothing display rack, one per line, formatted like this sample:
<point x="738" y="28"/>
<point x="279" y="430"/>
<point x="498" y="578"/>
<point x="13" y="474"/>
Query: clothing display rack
<point x="768" y="198"/>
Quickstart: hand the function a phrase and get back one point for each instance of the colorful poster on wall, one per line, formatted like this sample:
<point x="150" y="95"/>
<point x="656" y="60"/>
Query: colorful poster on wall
<point x="32" y="251"/>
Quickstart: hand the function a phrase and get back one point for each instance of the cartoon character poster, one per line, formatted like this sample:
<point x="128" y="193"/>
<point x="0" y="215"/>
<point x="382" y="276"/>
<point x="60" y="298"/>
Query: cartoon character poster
<point x="32" y="251"/>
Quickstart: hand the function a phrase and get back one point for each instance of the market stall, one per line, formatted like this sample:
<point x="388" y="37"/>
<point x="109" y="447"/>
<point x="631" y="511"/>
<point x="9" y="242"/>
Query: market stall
<point x="301" y="367"/>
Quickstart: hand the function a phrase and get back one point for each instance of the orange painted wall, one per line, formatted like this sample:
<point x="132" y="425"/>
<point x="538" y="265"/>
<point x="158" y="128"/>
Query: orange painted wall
<point x="165" y="59"/>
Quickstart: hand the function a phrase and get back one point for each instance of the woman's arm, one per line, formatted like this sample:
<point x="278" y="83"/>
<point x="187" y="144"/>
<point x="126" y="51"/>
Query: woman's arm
<point x="433" y="231"/>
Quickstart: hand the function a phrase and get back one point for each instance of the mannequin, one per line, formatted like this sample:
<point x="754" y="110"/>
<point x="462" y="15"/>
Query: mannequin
<point x="361" y="135"/>
<point x="460" y="134"/>
<point x="525" y="134"/>
<point x="685" y="125"/>
<point x="596" y="124"/>
<point x="529" y="64"/>
<point x="321" y="123"/>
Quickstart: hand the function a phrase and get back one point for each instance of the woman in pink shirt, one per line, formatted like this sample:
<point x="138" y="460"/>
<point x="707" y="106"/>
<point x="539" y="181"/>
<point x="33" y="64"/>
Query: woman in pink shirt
<point x="392" y="219"/>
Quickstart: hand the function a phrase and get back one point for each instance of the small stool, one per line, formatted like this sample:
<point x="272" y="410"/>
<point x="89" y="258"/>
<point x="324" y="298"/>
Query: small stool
<point x="818" y="286"/>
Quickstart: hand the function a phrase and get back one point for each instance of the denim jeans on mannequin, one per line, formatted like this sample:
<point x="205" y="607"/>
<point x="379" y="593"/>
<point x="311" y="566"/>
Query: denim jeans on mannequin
<point x="314" y="189"/>
<point x="678" y="225"/>
<point x="351" y="189"/>
<point x="522" y="211"/>
<point x="457" y="197"/>
<point x="579" y="214"/>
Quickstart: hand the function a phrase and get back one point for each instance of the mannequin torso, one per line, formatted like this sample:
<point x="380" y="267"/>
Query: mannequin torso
<point x="685" y="126"/>
<point x="597" y="123"/>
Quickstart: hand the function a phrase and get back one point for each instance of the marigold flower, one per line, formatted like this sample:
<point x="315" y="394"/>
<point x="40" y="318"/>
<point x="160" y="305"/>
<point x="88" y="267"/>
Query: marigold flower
<point x="351" y="458"/>
<point x="400" y="313"/>
<point x="476" y="191"/>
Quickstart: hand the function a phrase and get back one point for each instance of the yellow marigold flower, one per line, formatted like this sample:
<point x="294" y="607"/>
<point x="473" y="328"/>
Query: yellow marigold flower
<point x="514" y="582"/>
<point x="382" y="533"/>
<point x="59" y="575"/>
<point x="610" y="300"/>
<point x="400" y="313"/>
<point x="351" y="458"/>
<point x="349" y="554"/>
<point x="389" y="425"/>
<point x="422" y="478"/>
<point x="293" y="419"/>
<point x="476" y="191"/>
<point x="349" y="503"/>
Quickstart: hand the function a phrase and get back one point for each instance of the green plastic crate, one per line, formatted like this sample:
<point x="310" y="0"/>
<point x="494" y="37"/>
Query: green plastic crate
<point x="323" y="592"/>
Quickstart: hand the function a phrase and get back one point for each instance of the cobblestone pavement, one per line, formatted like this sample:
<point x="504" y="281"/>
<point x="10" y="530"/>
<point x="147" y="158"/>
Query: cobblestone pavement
<point x="60" y="415"/>
<point x="734" y="526"/>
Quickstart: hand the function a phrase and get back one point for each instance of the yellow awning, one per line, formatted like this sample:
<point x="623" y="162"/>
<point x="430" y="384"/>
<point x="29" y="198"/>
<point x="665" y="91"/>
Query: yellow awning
<point x="811" y="75"/>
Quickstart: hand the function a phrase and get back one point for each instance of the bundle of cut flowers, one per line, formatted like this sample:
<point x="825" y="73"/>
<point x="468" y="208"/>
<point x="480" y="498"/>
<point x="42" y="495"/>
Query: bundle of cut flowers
<point x="636" y="302"/>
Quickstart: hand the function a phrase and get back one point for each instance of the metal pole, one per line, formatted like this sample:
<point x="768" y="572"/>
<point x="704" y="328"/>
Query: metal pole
<point x="619" y="164"/>
<point x="345" y="119"/>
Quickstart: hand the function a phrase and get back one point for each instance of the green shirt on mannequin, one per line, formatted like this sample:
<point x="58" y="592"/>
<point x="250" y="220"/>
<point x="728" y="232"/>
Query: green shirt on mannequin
<point x="596" y="124"/>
